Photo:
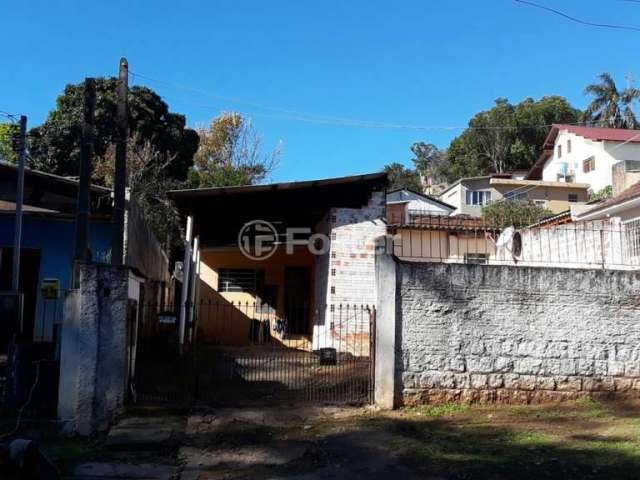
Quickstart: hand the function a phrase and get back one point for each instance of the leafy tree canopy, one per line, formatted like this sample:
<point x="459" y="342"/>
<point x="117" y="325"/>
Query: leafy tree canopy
<point x="430" y="162"/>
<point x="230" y="153"/>
<point x="54" y="146"/>
<point x="9" y="133"/>
<point x="403" y="177"/>
<point x="517" y="213"/>
<point x="506" y="137"/>
<point x="602" y="194"/>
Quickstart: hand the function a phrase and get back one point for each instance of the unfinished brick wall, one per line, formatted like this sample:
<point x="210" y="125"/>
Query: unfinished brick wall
<point x="515" y="334"/>
<point x="350" y="275"/>
<point x="352" y="265"/>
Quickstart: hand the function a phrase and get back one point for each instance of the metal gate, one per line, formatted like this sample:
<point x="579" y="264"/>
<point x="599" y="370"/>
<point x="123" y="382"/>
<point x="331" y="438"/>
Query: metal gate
<point x="249" y="353"/>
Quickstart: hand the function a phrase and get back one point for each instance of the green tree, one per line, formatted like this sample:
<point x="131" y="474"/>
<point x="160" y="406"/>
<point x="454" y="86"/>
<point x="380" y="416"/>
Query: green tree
<point x="54" y="146"/>
<point x="533" y="120"/>
<point x="403" y="177"/>
<point x="506" y="137"/>
<point x="430" y="162"/>
<point x="9" y="140"/>
<point x="610" y="106"/>
<point x="517" y="213"/>
<point x="602" y="194"/>
<point x="149" y="182"/>
<point x="230" y="153"/>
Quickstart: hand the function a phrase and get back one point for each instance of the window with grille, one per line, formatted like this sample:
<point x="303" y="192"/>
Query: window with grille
<point x="568" y="146"/>
<point x="559" y="151"/>
<point x="573" y="197"/>
<point x="240" y="280"/>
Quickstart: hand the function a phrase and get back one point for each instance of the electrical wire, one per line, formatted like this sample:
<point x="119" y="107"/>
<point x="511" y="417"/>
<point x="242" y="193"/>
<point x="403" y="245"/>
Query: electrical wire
<point x="578" y="20"/>
<point x="277" y="112"/>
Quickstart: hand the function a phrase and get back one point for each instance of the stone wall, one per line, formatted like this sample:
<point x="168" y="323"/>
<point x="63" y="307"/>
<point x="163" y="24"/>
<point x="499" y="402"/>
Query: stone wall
<point x="515" y="334"/>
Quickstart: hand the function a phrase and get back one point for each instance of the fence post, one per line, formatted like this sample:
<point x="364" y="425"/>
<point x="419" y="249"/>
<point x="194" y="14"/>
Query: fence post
<point x="385" y="341"/>
<point x="602" y="248"/>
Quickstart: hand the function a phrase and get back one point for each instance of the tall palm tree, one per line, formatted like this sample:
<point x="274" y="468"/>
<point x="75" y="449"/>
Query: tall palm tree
<point x="611" y="107"/>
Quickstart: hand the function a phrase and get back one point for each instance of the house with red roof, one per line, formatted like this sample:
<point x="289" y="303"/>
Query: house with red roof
<point x="578" y="154"/>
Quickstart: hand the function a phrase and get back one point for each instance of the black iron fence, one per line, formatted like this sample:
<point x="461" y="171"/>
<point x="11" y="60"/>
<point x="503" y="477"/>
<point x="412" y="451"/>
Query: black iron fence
<point x="238" y="352"/>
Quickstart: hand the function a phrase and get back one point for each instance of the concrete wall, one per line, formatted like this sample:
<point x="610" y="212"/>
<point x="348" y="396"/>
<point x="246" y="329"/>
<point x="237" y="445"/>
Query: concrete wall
<point x="93" y="351"/>
<point x="515" y="334"/>
<point x="625" y="174"/>
<point x="142" y="250"/>
<point x="454" y="198"/>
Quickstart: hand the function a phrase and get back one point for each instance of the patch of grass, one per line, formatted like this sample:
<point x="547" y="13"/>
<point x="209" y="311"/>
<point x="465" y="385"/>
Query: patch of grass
<point x="536" y="412"/>
<point x="594" y="407"/>
<point x="66" y="452"/>
<point x="448" y="408"/>
<point x="530" y="438"/>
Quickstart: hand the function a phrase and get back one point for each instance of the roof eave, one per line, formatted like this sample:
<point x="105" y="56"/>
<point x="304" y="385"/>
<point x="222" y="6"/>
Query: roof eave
<point x="607" y="211"/>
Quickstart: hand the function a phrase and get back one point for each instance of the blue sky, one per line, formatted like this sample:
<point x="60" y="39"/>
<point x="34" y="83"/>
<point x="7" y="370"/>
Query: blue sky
<point x="423" y="63"/>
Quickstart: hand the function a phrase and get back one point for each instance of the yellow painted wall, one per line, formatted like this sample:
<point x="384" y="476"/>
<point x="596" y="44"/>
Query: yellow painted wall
<point x="422" y="244"/>
<point x="436" y="246"/>
<point x="557" y="197"/>
<point x="225" y="316"/>
<point x="470" y="243"/>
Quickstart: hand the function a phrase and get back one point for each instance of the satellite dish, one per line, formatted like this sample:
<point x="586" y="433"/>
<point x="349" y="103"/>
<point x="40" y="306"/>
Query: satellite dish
<point x="505" y="238"/>
<point x="511" y="241"/>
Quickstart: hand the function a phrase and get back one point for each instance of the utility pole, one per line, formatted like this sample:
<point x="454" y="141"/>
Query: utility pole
<point x="17" y="234"/>
<point x="120" y="177"/>
<point x="86" y="158"/>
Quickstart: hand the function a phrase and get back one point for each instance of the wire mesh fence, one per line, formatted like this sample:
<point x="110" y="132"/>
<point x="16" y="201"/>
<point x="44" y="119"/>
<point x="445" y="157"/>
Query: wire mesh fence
<point x="604" y="244"/>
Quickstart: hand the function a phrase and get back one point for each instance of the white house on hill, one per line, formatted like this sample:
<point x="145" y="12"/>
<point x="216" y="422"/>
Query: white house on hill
<point x="585" y="155"/>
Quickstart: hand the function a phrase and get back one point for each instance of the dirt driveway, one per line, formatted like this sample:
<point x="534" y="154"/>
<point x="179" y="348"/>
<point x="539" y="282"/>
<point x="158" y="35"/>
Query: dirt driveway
<point x="583" y="440"/>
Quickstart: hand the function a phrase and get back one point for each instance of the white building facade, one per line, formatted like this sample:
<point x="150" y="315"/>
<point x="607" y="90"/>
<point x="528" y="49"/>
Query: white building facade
<point x="585" y="155"/>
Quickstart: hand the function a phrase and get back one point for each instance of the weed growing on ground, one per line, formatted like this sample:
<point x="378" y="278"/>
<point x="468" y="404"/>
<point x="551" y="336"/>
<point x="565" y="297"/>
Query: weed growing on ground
<point x="448" y="408"/>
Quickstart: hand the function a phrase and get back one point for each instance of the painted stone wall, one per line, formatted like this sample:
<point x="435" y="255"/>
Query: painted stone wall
<point x="515" y="334"/>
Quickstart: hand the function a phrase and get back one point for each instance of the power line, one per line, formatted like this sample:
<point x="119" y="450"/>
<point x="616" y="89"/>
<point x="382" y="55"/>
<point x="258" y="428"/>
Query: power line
<point x="577" y="20"/>
<point x="288" y="114"/>
<point x="10" y="116"/>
